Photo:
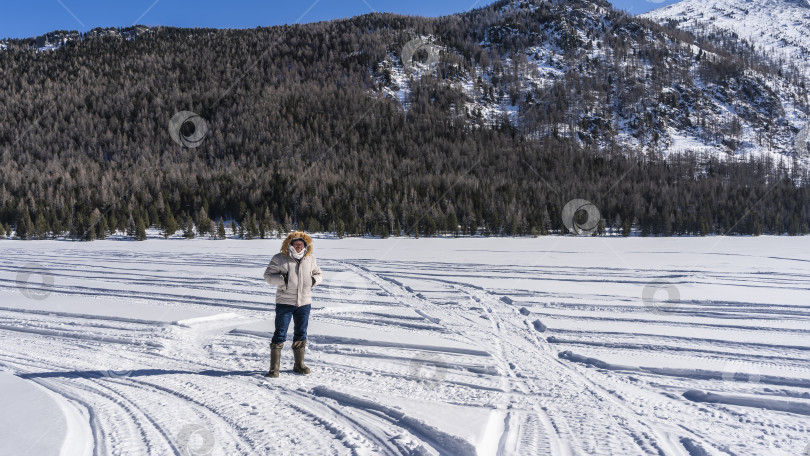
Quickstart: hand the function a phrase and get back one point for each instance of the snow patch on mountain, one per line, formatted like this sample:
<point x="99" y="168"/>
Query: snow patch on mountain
<point x="751" y="113"/>
<point x="778" y="27"/>
<point x="57" y="39"/>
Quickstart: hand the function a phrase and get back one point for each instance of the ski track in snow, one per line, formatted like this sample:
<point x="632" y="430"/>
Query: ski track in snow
<point x="577" y="368"/>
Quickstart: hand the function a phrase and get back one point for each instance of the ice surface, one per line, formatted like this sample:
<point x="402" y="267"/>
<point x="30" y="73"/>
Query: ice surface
<point x="550" y="345"/>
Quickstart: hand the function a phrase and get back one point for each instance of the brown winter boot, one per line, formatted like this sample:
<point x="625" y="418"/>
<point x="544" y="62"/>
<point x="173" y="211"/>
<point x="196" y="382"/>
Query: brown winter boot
<point x="299" y="347"/>
<point x="275" y="359"/>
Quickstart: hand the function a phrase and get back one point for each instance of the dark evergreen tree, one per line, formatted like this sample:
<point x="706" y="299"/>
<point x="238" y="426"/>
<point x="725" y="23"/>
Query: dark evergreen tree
<point x="252" y="229"/>
<point x="221" y="229"/>
<point x="101" y="228"/>
<point x="24" y="228"/>
<point x="140" y="230"/>
<point x="341" y="229"/>
<point x="203" y="222"/>
<point x="188" y="228"/>
<point x="170" y="225"/>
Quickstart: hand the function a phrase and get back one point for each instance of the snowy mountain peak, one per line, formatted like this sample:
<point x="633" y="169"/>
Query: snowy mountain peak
<point x="777" y="27"/>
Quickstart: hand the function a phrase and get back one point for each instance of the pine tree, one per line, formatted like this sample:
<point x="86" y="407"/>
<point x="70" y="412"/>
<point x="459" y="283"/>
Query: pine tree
<point x="203" y="222"/>
<point x="112" y="224"/>
<point x="313" y="226"/>
<point x="123" y="223"/>
<point x="90" y="230"/>
<point x="170" y="225"/>
<point x="140" y="230"/>
<point x="221" y="229"/>
<point x="430" y="225"/>
<point x="188" y="229"/>
<point x="341" y="229"/>
<point x="252" y="227"/>
<point x="241" y="230"/>
<point x="212" y="229"/>
<point x="24" y="226"/>
<point x="452" y="224"/>
<point x="101" y="228"/>
<point x="131" y="227"/>
<point x="267" y="220"/>
<point x="705" y="228"/>
<point x="78" y="226"/>
<point x="41" y="227"/>
<point x="152" y="213"/>
<point x="287" y="226"/>
<point x="627" y="227"/>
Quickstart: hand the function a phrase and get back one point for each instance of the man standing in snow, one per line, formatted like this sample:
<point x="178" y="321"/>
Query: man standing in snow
<point x="295" y="272"/>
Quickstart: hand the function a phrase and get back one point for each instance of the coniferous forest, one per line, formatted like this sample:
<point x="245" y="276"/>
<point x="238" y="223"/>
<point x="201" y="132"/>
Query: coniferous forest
<point x="301" y="129"/>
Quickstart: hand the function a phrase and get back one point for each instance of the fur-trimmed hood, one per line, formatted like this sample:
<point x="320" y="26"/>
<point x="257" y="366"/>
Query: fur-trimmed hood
<point x="294" y="235"/>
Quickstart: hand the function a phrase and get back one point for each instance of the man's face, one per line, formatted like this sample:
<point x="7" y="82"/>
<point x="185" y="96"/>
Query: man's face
<point x="298" y="246"/>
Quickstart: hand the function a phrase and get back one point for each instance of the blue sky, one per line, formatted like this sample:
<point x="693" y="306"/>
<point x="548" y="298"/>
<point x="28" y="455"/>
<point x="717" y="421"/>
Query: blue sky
<point x="21" y="19"/>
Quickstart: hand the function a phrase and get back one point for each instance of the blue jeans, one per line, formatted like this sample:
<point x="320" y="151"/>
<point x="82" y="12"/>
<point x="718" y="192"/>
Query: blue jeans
<point x="284" y="313"/>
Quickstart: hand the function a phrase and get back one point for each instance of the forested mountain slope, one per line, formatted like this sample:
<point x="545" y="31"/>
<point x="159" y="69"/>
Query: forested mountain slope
<point x="502" y="116"/>
<point x="778" y="28"/>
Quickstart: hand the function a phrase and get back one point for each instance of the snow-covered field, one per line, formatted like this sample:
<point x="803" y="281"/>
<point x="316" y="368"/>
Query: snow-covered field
<point x="553" y="345"/>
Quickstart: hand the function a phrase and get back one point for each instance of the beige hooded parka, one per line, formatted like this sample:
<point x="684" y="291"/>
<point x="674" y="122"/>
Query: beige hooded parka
<point x="294" y="278"/>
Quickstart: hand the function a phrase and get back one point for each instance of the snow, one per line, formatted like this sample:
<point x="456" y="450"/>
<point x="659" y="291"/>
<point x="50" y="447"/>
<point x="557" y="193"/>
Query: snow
<point x="37" y="421"/>
<point x="55" y="40"/>
<point x="777" y="27"/>
<point x="548" y="345"/>
<point x="399" y="79"/>
<point x="102" y="308"/>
